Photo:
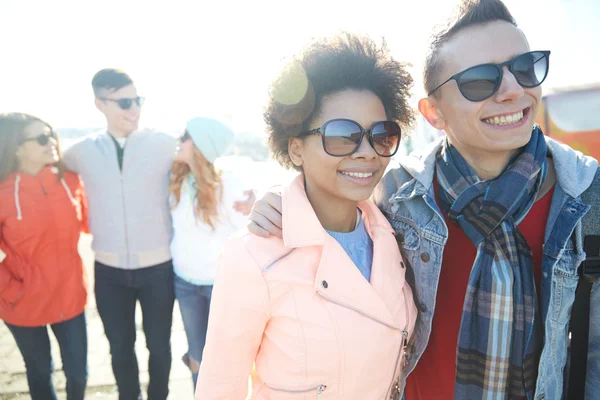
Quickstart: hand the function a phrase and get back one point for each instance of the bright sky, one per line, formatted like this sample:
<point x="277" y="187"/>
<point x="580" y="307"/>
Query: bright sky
<point x="218" y="57"/>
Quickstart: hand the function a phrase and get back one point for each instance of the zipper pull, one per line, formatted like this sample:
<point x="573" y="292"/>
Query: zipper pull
<point x="320" y="390"/>
<point x="404" y="352"/>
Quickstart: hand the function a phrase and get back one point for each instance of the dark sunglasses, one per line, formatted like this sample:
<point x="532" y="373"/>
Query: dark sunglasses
<point x="126" y="103"/>
<point x="481" y="82"/>
<point x="342" y="137"/>
<point x="43" y="139"/>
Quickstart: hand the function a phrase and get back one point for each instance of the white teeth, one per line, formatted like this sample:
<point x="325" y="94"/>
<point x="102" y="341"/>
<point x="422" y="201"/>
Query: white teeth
<point x="358" y="174"/>
<point x="505" y="119"/>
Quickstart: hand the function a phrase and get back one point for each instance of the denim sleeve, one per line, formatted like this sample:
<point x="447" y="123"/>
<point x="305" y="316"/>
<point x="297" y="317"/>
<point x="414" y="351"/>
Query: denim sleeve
<point x="388" y="186"/>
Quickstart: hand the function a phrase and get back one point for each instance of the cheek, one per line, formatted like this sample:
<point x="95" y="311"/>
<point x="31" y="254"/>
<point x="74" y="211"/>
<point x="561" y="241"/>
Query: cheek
<point x="320" y="166"/>
<point x="35" y="153"/>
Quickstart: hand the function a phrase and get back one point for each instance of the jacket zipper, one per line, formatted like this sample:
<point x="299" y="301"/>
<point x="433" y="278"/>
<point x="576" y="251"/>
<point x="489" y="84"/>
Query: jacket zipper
<point x="62" y="314"/>
<point x="125" y="222"/>
<point x="402" y="348"/>
<point x="320" y="389"/>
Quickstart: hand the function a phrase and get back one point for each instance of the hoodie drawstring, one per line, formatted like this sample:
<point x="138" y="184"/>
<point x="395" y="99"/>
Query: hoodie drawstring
<point x="17" y="204"/>
<point x="69" y="193"/>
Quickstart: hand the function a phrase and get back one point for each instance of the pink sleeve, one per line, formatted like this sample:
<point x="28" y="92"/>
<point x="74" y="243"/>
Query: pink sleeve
<point x="239" y="312"/>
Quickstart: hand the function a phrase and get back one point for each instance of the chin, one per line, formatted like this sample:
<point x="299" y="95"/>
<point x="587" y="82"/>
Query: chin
<point x="130" y="128"/>
<point x="358" y="195"/>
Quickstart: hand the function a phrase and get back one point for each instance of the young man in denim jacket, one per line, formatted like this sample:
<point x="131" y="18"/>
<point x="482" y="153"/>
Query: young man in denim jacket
<point x="489" y="219"/>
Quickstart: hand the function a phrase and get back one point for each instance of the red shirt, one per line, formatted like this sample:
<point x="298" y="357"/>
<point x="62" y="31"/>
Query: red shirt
<point x="435" y="373"/>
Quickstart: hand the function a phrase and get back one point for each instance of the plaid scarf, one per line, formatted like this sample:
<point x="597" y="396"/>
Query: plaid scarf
<point x="500" y="335"/>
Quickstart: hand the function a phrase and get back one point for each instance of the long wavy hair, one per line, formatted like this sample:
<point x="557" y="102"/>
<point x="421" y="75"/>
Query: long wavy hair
<point x="209" y="193"/>
<point x="12" y="133"/>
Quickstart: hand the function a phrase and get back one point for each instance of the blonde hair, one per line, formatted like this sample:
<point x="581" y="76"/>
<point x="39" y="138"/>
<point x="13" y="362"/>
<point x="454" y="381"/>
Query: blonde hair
<point x="209" y="193"/>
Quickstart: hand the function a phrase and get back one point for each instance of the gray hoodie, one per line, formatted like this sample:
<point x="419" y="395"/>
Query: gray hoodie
<point x="128" y="210"/>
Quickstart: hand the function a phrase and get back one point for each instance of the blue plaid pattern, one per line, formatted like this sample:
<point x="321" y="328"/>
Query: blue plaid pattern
<point x="500" y="337"/>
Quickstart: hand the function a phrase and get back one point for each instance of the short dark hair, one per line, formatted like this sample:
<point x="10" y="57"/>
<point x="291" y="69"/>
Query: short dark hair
<point x="326" y="67"/>
<point x="110" y="79"/>
<point x="468" y="13"/>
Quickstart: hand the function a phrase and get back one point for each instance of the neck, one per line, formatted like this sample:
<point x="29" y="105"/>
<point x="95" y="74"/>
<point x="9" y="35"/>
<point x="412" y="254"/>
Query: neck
<point x="117" y="133"/>
<point x="335" y="215"/>
<point x="486" y="164"/>
<point x="31" y="169"/>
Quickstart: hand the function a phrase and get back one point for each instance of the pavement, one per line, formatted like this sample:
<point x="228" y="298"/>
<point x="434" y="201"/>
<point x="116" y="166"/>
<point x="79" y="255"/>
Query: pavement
<point x="101" y="382"/>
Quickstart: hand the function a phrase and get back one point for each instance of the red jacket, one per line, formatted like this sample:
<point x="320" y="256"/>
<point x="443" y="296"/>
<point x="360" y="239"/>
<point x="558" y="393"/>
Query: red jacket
<point x="42" y="279"/>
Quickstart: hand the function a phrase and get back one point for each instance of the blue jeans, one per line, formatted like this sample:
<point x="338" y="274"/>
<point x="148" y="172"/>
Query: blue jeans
<point x="194" y="304"/>
<point x="117" y="292"/>
<point x="34" y="344"/>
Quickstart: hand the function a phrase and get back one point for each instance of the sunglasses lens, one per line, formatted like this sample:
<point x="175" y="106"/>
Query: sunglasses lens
<point x="140" y="101"/>
<point x="385" y="137"/>
<point x="43" y="139"/>
<point x="125" y="104"/>
<point x="530" y="69"/>
<point x="341" y="137"/>
<point x="479" y="83"/>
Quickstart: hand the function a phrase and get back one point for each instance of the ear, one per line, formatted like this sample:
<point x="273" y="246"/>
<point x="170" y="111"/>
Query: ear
<point x="432" y="113"/>
<point x="295" y="150"/>
<point x="99" y="104"/>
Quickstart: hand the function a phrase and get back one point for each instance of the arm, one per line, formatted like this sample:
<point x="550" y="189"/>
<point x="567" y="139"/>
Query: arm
<point x="244" y="206"/>
<point x="239" y="312"/>
<point x="85" y="226"/>
<point x="69" y="157"/>
<point x="13" y="289"/>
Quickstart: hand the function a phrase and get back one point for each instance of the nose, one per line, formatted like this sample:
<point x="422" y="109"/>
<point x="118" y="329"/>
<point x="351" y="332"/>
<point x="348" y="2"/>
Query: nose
<point x="510" y="90"/>
<point x="365" y="150"/>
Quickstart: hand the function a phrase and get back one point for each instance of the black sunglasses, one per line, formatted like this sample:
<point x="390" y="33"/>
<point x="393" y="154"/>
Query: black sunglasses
<point x="481" y="82"/>
<point x="126" y="103"/>
<point x="342" y="137"/>
<point x="43" y="139"/>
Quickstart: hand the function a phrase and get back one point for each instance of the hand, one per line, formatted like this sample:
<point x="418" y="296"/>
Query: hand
<point x="265" y="218"/>
<point x="245" y="206"/>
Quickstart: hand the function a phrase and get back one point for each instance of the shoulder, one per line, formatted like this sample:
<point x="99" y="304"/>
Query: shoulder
<point x="85" y="141"/>
<point x="158" y="136"/>
<point x="246" y="250"/>
<point x="72" y="179"/>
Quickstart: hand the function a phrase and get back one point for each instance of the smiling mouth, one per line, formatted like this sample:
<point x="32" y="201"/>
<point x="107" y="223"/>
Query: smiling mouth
<point x="510" y="119"/>
<point x="360" y="175"/>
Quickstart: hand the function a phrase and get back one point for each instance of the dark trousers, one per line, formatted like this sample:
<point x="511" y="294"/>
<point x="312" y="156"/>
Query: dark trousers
<point x="34" y="344"/>
<point x="117" y="292"/>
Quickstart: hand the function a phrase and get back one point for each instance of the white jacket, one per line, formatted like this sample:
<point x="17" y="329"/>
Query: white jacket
<point x="195" y="246"/>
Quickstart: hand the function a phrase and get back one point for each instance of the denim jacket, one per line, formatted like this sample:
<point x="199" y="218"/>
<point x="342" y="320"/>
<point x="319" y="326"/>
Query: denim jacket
<point x="406" y="196"/>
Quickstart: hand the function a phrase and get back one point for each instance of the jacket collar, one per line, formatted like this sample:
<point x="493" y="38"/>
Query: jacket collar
<point x="382" y="298"/>
<point x="301" y="227"/>
<point x="574" y="171"/>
